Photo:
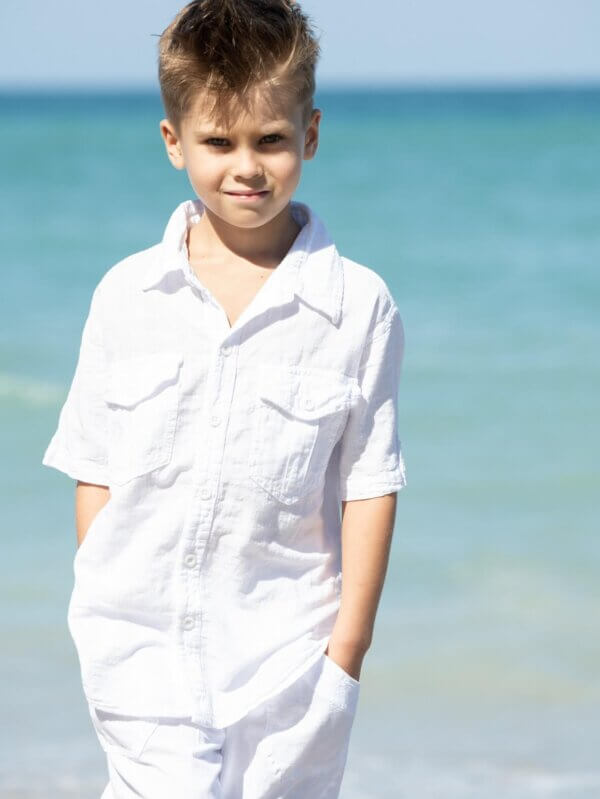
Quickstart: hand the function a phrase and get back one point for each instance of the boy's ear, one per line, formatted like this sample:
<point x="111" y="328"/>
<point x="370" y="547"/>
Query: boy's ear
<point x="311" y="137"/>
<point x="172" y="144"/>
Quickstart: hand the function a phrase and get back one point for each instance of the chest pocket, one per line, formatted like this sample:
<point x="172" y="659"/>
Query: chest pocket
<point x="296" y="421"/>
<point x="142" y="397"/>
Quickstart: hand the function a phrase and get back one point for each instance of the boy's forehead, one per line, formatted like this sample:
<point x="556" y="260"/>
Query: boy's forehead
<point x="258" y="107"/>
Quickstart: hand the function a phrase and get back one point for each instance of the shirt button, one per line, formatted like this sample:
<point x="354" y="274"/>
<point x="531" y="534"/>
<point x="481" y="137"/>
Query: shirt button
<point x="205" y="492"/>
<point x="215" y="420"/>
<point x="308" y="403"/>
<point x="188" y="622"/>
<point x="225" y="350"/>
<point x="190" y="560"/>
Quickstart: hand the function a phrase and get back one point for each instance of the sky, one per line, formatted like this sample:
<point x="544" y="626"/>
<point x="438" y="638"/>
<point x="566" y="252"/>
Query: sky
<point x="113" y="43"/>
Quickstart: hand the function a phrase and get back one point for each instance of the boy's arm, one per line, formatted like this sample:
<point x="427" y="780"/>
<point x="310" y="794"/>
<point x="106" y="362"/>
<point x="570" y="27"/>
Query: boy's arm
<point x="78" y="446"/>
<point x="371" y="474"/>
<point x="89" y="500"/>
<point x="367" y="527"/>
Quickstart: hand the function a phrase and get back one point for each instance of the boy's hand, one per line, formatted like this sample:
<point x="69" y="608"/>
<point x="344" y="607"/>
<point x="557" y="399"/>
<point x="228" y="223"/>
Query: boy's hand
<point x="348" y="657"/>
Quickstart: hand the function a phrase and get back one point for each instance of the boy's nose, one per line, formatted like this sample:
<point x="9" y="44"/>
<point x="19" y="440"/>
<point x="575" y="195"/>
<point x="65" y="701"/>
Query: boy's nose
<point x="247" y="166"/>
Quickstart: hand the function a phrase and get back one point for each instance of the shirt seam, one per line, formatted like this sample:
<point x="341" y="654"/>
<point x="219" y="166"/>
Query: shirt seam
<point x="383" y="326"/>
<point x="382" y="329"/>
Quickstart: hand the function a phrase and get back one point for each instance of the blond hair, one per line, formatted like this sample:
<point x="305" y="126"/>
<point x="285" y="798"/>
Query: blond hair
<point x="228" y="47"/>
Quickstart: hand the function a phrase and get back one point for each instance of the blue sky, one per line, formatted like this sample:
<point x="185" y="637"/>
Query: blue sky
<point x="110" y="43"/>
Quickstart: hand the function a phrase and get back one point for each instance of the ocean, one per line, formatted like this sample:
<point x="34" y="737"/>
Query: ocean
<point x="480" y="208"/>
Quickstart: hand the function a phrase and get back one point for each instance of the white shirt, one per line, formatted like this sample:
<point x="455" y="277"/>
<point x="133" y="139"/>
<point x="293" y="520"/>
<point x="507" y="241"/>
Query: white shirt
<point x="211" y="579"/>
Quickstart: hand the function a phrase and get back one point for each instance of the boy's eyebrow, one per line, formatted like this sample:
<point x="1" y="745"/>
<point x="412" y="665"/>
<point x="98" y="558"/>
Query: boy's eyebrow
<point x="206" y="131"/>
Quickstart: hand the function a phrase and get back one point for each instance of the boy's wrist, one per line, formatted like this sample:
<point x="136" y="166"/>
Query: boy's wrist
<point x="349" y="642"/>
<point x="352" y="630"/>
<point x="349" y="656"/>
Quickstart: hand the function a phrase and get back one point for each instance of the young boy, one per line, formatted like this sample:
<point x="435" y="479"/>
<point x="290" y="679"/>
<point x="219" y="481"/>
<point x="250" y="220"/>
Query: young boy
<point x="235" y="389"/>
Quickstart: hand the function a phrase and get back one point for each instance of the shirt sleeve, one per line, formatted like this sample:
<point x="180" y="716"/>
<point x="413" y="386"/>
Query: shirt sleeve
<point x="371" y="461"/>
<point x="78" y="446"/>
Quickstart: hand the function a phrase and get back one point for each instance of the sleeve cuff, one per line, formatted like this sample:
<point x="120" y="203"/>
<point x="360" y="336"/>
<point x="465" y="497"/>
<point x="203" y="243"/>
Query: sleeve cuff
<point x="86" y="471"/>
<point x="368" y="489"/>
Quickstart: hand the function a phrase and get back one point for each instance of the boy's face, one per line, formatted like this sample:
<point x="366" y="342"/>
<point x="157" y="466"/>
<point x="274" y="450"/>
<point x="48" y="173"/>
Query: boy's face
<point x="246" y="166"/>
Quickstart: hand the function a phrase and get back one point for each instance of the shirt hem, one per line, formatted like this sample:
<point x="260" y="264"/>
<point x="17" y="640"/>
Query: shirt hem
<point x="187" y="710"/>
<point x="291" y="678"/>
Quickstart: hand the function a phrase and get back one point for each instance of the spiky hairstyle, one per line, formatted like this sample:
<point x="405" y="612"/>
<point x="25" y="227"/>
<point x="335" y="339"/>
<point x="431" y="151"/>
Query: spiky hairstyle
<point x="227" y="47"/>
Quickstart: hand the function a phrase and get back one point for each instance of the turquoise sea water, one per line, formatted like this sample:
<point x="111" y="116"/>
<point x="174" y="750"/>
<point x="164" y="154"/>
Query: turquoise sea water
<point x="481" y="211"/>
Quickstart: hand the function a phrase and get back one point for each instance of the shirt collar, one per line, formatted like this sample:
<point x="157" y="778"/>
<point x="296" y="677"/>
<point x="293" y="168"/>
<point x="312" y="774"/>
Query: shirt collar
<point x="312" y="267"/>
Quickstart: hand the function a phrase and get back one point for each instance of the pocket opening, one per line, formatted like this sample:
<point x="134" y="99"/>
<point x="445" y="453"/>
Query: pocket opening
<point x="124" y="735"/>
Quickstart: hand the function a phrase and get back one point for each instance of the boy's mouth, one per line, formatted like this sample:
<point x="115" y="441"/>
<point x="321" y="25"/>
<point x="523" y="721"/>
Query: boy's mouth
<point x="247" y="195"/>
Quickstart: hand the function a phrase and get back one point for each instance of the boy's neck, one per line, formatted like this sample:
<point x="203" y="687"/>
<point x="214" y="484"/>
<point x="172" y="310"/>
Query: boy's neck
<point x="213" y="239"/>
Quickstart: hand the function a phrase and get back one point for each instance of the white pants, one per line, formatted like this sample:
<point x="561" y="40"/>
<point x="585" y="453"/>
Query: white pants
<point x="293" y="746"/>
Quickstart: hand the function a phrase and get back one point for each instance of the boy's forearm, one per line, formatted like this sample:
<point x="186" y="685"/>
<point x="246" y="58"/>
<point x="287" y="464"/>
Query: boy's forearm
<point x="367" y="527"/>
<point x="89" y="500"/>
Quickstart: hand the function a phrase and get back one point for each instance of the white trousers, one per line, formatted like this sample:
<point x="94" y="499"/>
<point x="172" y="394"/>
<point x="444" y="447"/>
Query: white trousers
<point x="292" y="746"/>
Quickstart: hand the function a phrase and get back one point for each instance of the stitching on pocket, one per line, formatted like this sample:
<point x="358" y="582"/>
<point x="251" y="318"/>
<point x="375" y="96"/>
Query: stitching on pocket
<point x="295" y="424"/>
<point x="143" y="416"/>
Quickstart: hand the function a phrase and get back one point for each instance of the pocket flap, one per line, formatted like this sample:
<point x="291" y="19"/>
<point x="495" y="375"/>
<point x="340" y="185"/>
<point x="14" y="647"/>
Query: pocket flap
<point x="308" y="396"/>
<point x="132" y="380"/>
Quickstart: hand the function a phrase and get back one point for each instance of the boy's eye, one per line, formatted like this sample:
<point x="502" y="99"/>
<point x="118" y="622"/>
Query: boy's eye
<point x="216" y="141"/>
<point x="275" y="137"/>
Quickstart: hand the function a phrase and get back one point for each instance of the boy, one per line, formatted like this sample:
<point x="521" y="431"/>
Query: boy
<point x="236" y="383"/>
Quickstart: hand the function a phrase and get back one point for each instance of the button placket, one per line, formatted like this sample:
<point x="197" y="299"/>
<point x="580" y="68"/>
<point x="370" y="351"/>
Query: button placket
<point x="199" y="523"/>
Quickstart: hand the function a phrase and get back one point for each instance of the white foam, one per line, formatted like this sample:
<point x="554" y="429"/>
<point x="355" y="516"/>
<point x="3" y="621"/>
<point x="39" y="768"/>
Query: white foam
<point x="29" y="391"/>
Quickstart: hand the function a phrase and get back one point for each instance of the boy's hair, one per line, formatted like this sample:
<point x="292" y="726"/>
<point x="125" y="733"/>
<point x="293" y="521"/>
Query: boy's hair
<point x="228" y="46"/>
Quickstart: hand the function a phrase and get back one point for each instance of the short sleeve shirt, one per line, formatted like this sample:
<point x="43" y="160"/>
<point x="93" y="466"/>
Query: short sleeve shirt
<point x="211" y="578"/>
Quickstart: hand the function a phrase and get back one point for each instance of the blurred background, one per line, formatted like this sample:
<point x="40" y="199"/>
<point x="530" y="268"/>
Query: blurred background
<point x="460" y="159"/>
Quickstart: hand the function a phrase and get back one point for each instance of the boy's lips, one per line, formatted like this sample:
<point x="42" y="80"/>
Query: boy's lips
<point x="247" y="195"/>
